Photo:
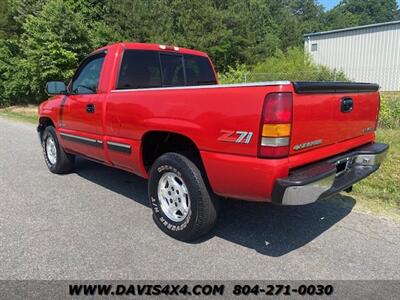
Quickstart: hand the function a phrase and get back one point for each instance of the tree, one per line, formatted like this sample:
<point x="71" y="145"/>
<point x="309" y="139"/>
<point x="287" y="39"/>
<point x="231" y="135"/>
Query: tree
<point x="309" y="15"/>
<point x="193" y="24"/>
<point x="3" y="18"/>
<point x="7" y="23"/>
<point x="45" y="39"/>
<point x="48" y="40"/>
<point x="253" y="29"/>
<point x="19" y="10"/>
<point x="361" y="12"/>
<point x="93" y="14"/>
<point x="335" y="19"/>
<point x="53" y="43"/>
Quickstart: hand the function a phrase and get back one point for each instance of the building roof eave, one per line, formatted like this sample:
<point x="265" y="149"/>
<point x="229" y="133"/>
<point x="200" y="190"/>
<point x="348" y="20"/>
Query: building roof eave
<point x="351" y="28"/>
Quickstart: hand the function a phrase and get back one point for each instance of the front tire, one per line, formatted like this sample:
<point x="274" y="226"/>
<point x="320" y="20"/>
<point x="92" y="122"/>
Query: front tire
<point x="182" y="205"/>
<point x="57" y="160"/>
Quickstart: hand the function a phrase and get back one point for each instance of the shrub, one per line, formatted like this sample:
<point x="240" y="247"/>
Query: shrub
<point x="389" y="115"/>
<point x="234" y="75"/>
<point x="293" y="65"/>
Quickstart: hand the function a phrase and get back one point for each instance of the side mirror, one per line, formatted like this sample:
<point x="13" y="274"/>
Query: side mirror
<point x="55" y="88"/>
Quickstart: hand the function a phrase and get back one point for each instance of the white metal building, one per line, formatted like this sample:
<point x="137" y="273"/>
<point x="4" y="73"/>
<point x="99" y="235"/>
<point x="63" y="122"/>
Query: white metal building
<point x="368" y="53"/>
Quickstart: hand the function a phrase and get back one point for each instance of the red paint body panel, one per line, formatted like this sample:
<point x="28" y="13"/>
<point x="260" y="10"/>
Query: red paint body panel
<point x="199" y="113"/>
<point x="202" y="114"/>
<point x="244" y="177"/>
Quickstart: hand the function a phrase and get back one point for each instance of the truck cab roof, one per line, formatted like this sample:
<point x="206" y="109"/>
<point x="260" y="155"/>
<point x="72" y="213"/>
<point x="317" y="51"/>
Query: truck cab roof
<point x="153" y="47"/>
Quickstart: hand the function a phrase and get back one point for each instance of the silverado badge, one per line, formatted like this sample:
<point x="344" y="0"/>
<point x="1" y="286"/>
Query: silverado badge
<point x="307" y="145"/>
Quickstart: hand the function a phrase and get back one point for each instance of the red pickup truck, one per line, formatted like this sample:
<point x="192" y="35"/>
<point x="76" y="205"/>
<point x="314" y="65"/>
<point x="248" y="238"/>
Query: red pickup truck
<point x="159" y="111"/>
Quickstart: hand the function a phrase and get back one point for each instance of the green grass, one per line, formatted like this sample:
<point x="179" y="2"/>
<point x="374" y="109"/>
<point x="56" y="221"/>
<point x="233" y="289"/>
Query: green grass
<point x="27" y="114"/>
<point x="378" y="194"/>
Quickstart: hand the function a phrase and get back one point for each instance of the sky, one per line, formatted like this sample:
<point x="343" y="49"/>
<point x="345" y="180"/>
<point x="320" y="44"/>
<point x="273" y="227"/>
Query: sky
<point x="328" y="4"/>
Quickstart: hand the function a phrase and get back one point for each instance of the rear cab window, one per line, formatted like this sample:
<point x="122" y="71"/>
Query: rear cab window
<point x="172" y="70"/>
<point x="152" y="69"/>
<point x="198" y="70"/>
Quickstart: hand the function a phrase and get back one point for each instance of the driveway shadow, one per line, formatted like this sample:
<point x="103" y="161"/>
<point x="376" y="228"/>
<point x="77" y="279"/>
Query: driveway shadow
<point x="277" y="230"/>
<point x="268" y="229"/>
<point x="118" y="181"/>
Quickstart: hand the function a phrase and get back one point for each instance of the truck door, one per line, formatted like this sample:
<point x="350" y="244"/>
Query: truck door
<point x="81" y="110"/>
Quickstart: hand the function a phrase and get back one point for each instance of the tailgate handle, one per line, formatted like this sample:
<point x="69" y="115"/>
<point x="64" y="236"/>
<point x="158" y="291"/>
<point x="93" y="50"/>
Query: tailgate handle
<point x="346" y="104"/>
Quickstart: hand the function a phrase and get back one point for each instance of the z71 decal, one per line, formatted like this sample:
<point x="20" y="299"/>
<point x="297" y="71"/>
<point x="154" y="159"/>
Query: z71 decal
<point x="239" y="137"/>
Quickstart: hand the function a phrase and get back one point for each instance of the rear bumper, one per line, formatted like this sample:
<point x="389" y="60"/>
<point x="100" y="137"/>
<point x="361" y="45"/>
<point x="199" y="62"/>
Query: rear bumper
<point x="322" y="179"/>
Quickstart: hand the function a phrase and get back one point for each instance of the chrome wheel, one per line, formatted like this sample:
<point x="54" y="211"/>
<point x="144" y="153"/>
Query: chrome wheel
<point x="51" y="150"/>
<point x="173" y="196"/>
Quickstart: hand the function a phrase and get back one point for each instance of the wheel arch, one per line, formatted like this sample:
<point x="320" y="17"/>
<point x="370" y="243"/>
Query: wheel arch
<point x="44" y="122"/>
<point x="155" y="143"/>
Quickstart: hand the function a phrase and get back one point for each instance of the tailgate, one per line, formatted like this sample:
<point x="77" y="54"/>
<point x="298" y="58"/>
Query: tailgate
<point x="329" y="113"/>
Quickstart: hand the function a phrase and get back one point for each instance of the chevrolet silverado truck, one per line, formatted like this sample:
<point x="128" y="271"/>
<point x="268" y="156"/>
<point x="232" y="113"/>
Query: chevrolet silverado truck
<point x="159" y="112"/>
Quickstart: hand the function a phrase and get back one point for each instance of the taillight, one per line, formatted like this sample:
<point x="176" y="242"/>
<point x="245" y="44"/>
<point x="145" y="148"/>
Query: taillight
<point x="276" y="123"/>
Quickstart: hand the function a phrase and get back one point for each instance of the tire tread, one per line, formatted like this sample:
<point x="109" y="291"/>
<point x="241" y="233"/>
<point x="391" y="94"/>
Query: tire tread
<point x="207" y="208"/>
<point x="65" y="161"/>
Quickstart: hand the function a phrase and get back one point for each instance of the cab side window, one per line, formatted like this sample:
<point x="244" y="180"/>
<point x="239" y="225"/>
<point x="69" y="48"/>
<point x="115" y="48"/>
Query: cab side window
<point x="139" y="69"/>
<point x="86" y="79"/>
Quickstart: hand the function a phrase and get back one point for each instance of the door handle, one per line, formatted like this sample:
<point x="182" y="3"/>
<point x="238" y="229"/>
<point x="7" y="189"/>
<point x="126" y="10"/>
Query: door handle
<point x="90" y="108"/>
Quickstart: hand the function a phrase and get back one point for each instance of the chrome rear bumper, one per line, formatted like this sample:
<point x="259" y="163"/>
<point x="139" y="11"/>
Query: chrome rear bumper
<point x="328" y="177"/>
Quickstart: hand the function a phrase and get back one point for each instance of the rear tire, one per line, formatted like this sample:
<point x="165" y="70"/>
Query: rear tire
<point x="57" y="160"/>
<point x="183" y="207"/>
